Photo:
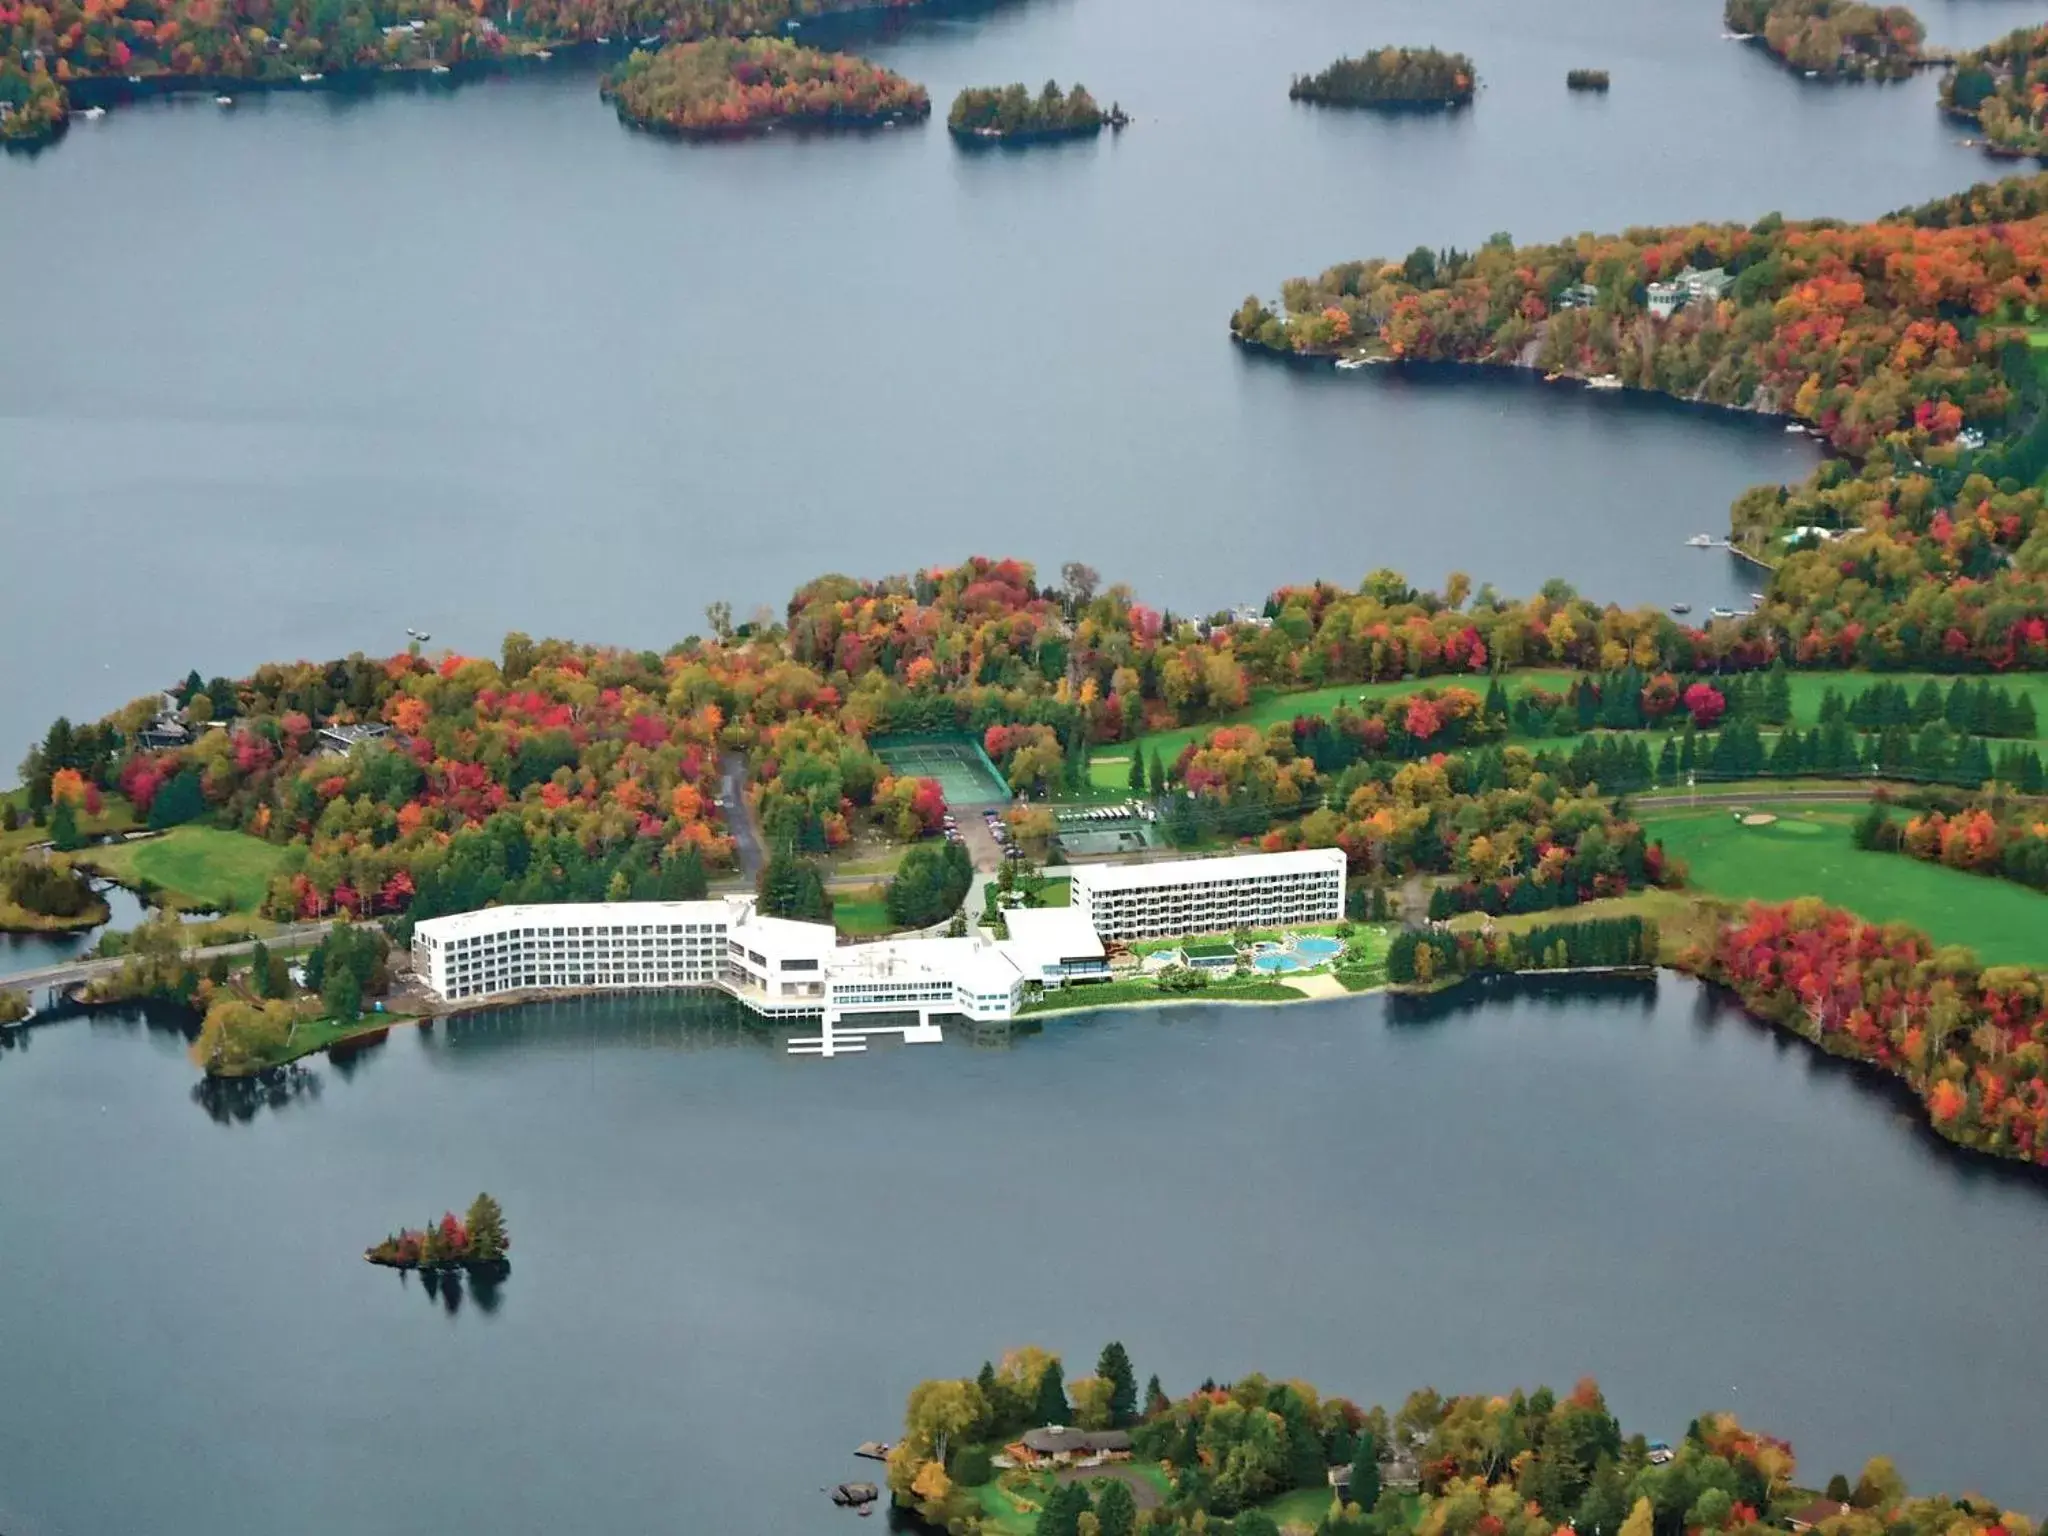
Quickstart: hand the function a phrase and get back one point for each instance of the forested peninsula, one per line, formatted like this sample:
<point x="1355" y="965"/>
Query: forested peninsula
<point x="1392" y="79"/>
<point x="2003" y="89"/>
<point x="1011" y="114"/>
<point x="1019" y="1446"/>
<point x="1841" y="39"/>
<point x="727" y="86"/>
<point x="58" y="55"/>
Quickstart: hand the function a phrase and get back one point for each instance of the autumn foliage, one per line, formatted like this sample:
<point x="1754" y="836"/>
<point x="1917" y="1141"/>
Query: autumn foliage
<point x="1972" y="1042"/>
<point x="725" y="85"/>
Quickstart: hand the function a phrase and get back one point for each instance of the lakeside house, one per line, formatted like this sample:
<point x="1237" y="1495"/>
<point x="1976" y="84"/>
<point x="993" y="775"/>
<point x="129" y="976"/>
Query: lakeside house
<point x="1691" y="286"/>
<point x="1398" y="1472"/>
<point x="340" y="738"/>
<point x="1058" y="1446"/>
<point x="1579" y="296"/>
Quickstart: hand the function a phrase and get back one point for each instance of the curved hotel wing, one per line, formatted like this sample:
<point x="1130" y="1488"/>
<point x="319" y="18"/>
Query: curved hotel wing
<point x="785" y="969"/>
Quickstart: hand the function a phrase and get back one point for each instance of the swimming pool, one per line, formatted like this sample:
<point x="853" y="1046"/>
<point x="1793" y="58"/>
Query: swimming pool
<point x="1275" y="962"/>
<point x="1314" y="950"/>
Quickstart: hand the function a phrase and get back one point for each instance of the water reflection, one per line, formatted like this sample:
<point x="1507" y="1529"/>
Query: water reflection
<point x="484" y="1285"/>
<point x="1559" y="994"/>
<point x="238" y="1100"/>
<point x="684" y="1021"/>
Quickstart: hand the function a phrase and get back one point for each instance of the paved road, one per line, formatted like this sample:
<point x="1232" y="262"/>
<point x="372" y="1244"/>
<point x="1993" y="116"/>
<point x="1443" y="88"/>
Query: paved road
<point x="72" y="972"/>
<point x="739" y="818"/>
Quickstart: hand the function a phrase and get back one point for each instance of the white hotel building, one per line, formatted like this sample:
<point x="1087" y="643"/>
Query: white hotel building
<point x="1123" y="902"/>
<point x="783" y="969"/>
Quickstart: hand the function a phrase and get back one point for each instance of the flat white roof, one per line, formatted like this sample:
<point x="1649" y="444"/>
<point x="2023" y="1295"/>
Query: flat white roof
<point x="1042" y="936"/>
<point x="1242" y="866"/>
<point x="975" y="963"/>
<point x="580" y="914"/>
<point x="785" y="936"/>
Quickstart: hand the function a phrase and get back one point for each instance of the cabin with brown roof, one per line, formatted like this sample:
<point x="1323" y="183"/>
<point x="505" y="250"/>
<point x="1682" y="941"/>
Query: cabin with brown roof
<point x="1057" y="1445"/>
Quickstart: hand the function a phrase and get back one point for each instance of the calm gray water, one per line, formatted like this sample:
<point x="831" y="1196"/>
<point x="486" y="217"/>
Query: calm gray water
<point x="286" y="380"/>
<point x="731" y="1264"/>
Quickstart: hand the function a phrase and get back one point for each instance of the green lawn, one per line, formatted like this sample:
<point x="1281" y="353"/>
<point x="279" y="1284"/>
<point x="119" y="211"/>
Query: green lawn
<point x="1808" y="852"/>
<point x="1303" y="1506"/>
<point x="116" y="815"/>
<point x="862" y="913"/>
<point x="195" y="866"/>
<point x="1104" y="994"/>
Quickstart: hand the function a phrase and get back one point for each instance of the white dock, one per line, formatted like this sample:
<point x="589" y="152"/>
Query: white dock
<point x="837" y="1039"/>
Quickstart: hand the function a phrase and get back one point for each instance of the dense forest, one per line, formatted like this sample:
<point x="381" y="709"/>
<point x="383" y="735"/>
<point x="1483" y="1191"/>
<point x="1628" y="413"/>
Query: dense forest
<point x="1514" y="1464"/>
<point x="1400" y="78"/>
<point x="2003" y="88"/>
<point x="47" y="44"/>
<point x="1888" y="338"/>
<point x="740" y="85"/>
<point x="1971" y="1042"/>
<point x="1011" y="111"/>
<point x="1838" y="38"/>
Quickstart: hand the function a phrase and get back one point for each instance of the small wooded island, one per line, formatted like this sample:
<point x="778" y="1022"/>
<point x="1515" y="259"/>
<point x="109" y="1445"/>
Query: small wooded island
<point x="476" y="1240"/>
<point x="1392" y="79"/>
<point x="2003" y="89"/>
<point x="1586" y="80"/>
<point x="1011" y="114"/>
<point x="727" y="86"/>
<point x="1843" y="39"/>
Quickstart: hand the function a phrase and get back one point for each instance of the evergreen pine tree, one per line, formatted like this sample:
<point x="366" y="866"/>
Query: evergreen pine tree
<point x="64" y="835"/>
<point x="486" y="1223"/>
<point x="1365" y="1473"/>
<point x="1050" y="1406"/>
<point x="259" y="969"/>
<point x="1116" y="1509"/>
<point x="1157" y="774"/>
<point x="1667" y="762"/>
<point x="1777" y="708"/>
<point x="1114" y="1367"/>
<point x="1135" y="779"/>
<point x="1155" y="1398"/>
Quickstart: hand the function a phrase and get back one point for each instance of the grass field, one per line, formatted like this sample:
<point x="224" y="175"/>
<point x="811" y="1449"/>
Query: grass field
<point x="1683" y="918"/>
<point x="116" y="815"/>
<point x="195" y="866"/>
<point x="1109" y="769"/>
<point x="862" y="913"/>
<point x="1808" y="852"/>
<point x="1104" y="994"/>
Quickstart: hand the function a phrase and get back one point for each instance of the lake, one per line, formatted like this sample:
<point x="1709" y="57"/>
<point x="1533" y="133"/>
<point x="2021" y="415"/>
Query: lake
<point x="730" y="1264"/>
<point x="286" y="380"/>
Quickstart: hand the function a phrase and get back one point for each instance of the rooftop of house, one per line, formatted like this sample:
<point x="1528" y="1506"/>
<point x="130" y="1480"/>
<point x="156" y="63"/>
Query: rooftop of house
<point x="1059" y="1440"/>
<point x="1042" y="936"/>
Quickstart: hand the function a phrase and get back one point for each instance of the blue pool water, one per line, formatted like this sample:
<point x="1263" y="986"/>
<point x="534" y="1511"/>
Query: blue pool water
<point x="1313" y="949"/>
<point x="1280" y="962"/>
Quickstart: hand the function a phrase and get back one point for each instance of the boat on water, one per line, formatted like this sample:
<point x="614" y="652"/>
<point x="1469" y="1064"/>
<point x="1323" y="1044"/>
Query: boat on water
<point x="1701" y="541"/>
<point x="310" y="77"/>
<point x="1681" y="607"/>
<point x="1797" y="429"/>
<point x="1721" y="613"/>
<point x="93" y="114"/>
<point x="1553" y="376"/>
<point x="438" y="69"/>
<point x="223" y="101"/>
<point x="1604" y="381"/>
<point x="1348" y="363"/>
<point x="545" y="54"/>
<point x="1756" y="597"/>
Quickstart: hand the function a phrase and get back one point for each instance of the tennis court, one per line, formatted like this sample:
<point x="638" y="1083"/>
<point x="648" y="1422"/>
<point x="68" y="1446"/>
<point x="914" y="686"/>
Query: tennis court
<point x="963" y="770"/>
